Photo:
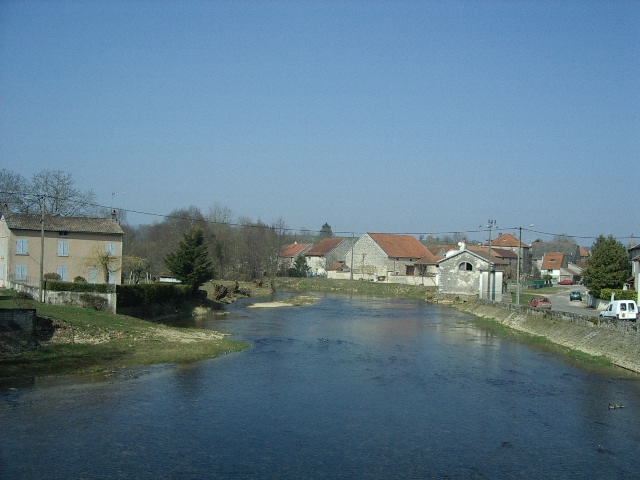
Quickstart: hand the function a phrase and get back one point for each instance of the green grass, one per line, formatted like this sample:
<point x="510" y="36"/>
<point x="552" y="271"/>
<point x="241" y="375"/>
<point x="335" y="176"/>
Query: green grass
<point x="577" y="356"/>
<point x="89" y="341"/>
<point x="376" y="289"/>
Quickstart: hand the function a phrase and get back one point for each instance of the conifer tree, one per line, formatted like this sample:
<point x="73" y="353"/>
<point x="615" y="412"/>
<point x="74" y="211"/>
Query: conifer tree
<point x="190" y="263"/>
<point x="608" y="265"/>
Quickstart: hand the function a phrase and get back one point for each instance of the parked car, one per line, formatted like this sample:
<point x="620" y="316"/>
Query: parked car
<point x="566" y="282"/>
<point x="575" y="296"/>
<point x="620" y="310"/>
<point x="540" y="302"/>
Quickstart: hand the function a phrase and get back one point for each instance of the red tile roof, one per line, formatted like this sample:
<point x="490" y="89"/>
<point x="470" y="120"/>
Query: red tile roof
<point x="552" y="261"/>
<point x="496" y="256"/>
<point x="323" y="247"/>
<point x="507" y="240"/>
<point x="337" y="266"/>
<point x="294" y="249"/>
<point x="403" y="246"/>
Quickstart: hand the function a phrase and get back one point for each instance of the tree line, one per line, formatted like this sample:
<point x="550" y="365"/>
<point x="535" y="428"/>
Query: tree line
<point x="237" y="248"/>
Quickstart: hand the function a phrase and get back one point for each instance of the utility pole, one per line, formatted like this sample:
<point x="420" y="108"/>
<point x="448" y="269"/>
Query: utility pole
<point x="518" y="267"/>
<point x="491" y="224"/>
<point x="42" y="249"/>
<point x="353" y="243"/>
<point x="520" y="252"/>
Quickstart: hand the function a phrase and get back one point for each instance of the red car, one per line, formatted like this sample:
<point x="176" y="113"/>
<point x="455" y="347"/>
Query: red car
<point x="540" y="302"/>
<point x="566" y="282"/>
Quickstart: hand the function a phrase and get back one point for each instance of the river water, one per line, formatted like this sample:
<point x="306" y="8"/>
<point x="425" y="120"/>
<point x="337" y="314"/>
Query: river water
<point x="350" y="387"/>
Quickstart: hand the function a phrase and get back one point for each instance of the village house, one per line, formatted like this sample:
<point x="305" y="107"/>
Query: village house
<point x="571" y="252"/>
<point x="72" y="247"/>
<point x="466" y="272"/>
<point x="327" y="252"/>
<point x="288" y="255"/>
<point x="507" y="241"/>
<point x="384" y="257"/>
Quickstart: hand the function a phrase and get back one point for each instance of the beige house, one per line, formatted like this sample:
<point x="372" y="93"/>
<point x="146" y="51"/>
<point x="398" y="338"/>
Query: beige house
<point x="85" y="247"/>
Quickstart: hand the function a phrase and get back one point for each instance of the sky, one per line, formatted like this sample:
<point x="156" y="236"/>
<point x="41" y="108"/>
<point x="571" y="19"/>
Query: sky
<point x="422" y="117"/>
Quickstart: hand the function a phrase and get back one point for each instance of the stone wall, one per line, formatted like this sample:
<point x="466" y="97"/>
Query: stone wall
<point x="18" y="319"/>
<point x="66" y="298"/>
<point x="616" y="340"/>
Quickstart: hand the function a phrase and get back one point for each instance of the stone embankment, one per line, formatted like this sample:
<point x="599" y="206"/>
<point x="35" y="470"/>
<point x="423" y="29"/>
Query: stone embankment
<point x="618" y="341"/>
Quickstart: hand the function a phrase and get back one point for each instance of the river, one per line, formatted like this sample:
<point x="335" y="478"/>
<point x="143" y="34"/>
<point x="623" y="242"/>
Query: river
<point x="350" y="387"/>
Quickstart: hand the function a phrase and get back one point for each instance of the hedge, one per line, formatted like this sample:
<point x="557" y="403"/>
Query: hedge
<point x="150" y="293"/>
<point x="60" y="286"/>
<point x="620" y="294"/>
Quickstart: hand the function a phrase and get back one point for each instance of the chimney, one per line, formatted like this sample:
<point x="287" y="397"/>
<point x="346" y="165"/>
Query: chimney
<point x="114" y="218"/>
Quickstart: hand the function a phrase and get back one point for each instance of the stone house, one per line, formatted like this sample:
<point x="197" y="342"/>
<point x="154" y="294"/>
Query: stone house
<point x="385" y="257"/>
<point x="465" y="272"/>
<point x="326" y="253"/>
<point x="288" y="255"/>
<point x="507" y="241"/>
<point x="72" y="247"/>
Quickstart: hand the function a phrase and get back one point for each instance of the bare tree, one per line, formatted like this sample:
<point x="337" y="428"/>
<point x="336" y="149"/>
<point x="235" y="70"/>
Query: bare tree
<point x="53" y="189"/>
<point x="13" y="187"/>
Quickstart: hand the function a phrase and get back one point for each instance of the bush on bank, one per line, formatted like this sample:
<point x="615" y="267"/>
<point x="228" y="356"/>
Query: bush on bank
<point x="151" y="293"/>
<point x="620" y="294"/>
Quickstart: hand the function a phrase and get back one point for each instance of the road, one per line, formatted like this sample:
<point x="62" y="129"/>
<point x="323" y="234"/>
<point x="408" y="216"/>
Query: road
<point x="560" y="300"/>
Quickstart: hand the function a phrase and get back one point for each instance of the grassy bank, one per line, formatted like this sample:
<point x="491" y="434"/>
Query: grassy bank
<point x="374" y="289"/>
<point x="88" y="341"/>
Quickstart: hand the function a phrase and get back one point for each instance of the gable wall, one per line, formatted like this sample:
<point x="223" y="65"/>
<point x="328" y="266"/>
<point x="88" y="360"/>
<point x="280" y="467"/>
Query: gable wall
<point x="452" y="280"/>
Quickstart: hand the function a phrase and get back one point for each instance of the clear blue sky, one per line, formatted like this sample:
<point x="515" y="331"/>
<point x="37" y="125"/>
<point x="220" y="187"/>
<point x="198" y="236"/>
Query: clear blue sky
<point x="402" y="117"/>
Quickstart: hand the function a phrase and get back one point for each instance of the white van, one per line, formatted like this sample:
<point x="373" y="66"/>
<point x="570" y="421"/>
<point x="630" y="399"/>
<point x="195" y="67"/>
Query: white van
<point x="620" y="310"/>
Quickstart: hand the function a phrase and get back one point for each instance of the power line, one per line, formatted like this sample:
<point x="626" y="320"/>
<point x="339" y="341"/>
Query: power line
<point x="293" y="230"/>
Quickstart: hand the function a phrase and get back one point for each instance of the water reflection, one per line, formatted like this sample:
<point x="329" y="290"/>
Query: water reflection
<point x="350" y="387"/>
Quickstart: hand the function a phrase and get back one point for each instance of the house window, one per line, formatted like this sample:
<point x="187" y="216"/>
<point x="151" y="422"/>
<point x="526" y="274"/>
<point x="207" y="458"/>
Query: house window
<point x="1" y="249"/>
<point x="21" y="272"/>
<point x="62" y="273"/>
<point x="63" y="248"/>
<point x="465" y="266"/>
<point x="22" y="246"/>
<point x="110" y="248"/>
<point x="93" y="275"/>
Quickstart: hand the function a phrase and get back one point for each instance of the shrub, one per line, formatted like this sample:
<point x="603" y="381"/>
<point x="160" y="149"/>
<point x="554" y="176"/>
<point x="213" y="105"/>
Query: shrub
<point x="151" y="293"/>
<point x="94" y="301"/>
<point x="620" y="294"/>
<point x="79" y="279"/>
<point x="79" y="287"/>
<point x="51" y="276"/>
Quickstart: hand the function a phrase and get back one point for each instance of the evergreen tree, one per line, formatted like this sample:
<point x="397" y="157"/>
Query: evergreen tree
<point x="190" y="263"/>
<point x="325" y="232"/>
<point x="608" y="265"/>
<point x="300" y="267"/>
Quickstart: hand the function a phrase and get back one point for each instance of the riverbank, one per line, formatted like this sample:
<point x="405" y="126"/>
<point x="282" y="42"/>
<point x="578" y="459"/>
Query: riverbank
<point x="72" y="340"/>
<point x="618" y="347"/>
